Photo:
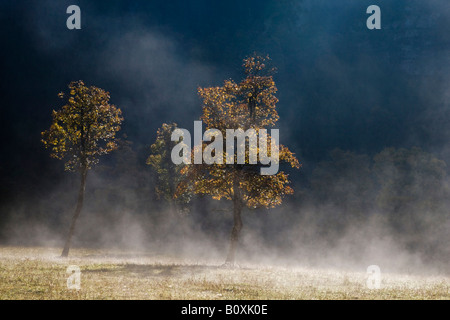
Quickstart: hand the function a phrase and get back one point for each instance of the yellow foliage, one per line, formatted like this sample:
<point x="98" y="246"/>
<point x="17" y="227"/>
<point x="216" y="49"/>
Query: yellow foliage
<point x="84" y="128"/>
<point x="249" y="104"/>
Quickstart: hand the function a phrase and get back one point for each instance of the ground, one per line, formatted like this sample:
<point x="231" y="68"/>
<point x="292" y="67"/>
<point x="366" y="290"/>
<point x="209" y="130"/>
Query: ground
<point x="39" y="273"/>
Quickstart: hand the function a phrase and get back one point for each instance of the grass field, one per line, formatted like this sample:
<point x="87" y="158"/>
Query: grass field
<point x="39" y="273"/>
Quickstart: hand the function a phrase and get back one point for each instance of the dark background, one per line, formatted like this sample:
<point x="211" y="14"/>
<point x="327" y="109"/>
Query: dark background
<point x="340" y="86"/>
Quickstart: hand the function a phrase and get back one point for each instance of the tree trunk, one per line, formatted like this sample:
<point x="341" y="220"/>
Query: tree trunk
<point x="234" y="238"/>
<point x="65" y="252"/>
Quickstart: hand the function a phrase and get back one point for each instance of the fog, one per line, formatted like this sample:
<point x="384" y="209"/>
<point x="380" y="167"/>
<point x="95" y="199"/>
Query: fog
<point x="340" y="88"/>
<point x="345" y="230"/>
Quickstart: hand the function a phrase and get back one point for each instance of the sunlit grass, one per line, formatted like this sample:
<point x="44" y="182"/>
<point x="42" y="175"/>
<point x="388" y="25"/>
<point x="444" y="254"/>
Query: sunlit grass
<point x="39" y="273"/>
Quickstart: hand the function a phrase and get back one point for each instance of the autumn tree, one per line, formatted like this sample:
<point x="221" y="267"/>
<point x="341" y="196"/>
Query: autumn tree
<point x="168" y="173"/>
<point x="250" y="104"/>
<point x="81" y="131"/>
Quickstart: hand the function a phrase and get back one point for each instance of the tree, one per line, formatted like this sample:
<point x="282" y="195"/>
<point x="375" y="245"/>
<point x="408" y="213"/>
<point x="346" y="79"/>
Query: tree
<point x="248" y="104"/>
<point x="81" y="131"/>
<point x="168" y="173"/>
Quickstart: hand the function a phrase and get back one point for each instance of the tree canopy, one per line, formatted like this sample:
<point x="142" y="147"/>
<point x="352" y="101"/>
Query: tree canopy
<point x="248" y="104"/>
<point x="168" y="173"/>
<point x="83" y="129"/>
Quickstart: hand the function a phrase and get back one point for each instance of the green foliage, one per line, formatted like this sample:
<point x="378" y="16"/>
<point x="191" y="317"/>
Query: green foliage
<point x="167" y="172"/>
<point x="83" y="129"/>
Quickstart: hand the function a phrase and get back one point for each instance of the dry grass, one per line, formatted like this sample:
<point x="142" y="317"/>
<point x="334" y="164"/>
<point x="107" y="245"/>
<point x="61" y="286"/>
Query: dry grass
<point x="39" y="273"/>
